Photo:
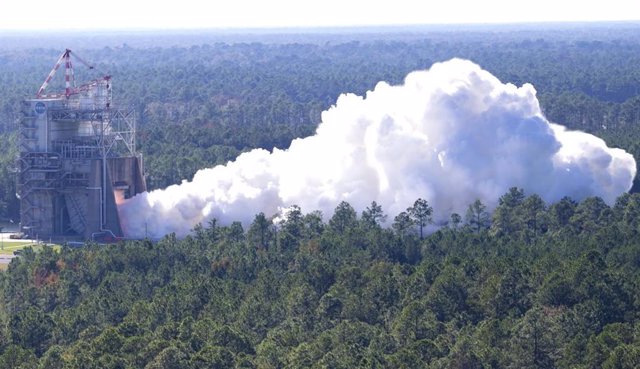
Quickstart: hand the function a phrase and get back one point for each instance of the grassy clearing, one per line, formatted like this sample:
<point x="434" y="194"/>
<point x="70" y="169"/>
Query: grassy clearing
<point x="10" y="247"/>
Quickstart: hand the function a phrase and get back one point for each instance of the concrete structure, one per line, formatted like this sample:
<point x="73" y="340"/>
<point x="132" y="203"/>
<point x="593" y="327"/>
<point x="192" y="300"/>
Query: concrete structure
<point x="77" y="158"/>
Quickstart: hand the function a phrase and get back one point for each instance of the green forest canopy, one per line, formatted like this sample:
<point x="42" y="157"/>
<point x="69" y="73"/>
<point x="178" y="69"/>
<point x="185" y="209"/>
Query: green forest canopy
<point x="202" y="104"/>
<point x="532" y="285"/>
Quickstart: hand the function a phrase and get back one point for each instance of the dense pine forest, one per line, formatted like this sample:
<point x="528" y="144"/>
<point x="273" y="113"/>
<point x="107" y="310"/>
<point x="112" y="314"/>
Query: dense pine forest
<point x="530" y="285"/>
<point x="200" y="104"/>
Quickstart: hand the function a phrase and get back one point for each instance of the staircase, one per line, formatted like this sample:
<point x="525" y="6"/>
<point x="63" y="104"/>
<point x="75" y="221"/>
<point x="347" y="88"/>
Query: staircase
<point x="76" y="206"/>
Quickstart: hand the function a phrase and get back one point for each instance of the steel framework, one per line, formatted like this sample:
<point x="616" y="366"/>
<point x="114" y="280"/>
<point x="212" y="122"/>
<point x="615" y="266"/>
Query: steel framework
<point x="70" y="143"/>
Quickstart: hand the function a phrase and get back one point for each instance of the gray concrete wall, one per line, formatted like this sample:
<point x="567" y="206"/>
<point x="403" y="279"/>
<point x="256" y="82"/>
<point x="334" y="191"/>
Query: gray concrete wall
<point x="94" y="199"/>
<point x="129" y="171"/>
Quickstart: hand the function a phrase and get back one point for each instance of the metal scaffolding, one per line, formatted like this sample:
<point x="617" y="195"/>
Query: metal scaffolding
<point x="74" y="145"/>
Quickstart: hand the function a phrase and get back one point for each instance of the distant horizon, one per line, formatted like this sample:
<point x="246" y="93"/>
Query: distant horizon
<point x="328" y="28"/>
<point x="75" y="15"/>
<point x="141" y="38"/>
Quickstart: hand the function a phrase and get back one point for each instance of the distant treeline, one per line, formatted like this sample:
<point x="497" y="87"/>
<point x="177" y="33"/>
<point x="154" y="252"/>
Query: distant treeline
<point x="202" y="104"/>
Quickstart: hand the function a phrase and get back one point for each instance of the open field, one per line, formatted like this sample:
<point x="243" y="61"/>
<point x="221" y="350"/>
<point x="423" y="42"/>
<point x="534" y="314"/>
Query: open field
<point x="8" y="246"/>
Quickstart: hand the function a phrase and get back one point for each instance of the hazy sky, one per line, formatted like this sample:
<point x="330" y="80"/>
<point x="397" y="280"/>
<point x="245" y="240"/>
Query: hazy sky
<point x="123" y="14"/>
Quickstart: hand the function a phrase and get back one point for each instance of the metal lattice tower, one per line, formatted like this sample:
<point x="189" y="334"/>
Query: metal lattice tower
<point x="77" y="155"/>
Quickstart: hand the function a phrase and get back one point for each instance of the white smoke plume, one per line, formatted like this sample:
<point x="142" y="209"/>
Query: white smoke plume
<point x="450" y="134"/>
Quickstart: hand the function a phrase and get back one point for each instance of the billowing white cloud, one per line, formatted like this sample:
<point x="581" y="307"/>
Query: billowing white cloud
<point x="450" y="135"/>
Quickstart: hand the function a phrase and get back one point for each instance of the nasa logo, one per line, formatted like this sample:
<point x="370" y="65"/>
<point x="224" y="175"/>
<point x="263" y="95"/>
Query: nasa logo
<point x="40" y="108"/>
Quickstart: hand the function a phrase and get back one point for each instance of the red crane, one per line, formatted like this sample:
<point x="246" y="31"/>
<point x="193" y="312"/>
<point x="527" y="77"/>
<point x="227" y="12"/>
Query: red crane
<point x="69" y="78"/>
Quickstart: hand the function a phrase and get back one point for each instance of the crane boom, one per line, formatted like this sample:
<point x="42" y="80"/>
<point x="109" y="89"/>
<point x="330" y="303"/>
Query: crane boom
<point x="62" y="57"/>
<point x="69" y="77"/>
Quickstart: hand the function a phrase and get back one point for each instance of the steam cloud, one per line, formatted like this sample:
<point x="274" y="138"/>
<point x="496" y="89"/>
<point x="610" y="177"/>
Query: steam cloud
<point x="450" y="135"/>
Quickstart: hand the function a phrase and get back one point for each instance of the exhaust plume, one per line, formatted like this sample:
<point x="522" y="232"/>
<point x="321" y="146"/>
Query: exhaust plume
<point x="450" y="134"/>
